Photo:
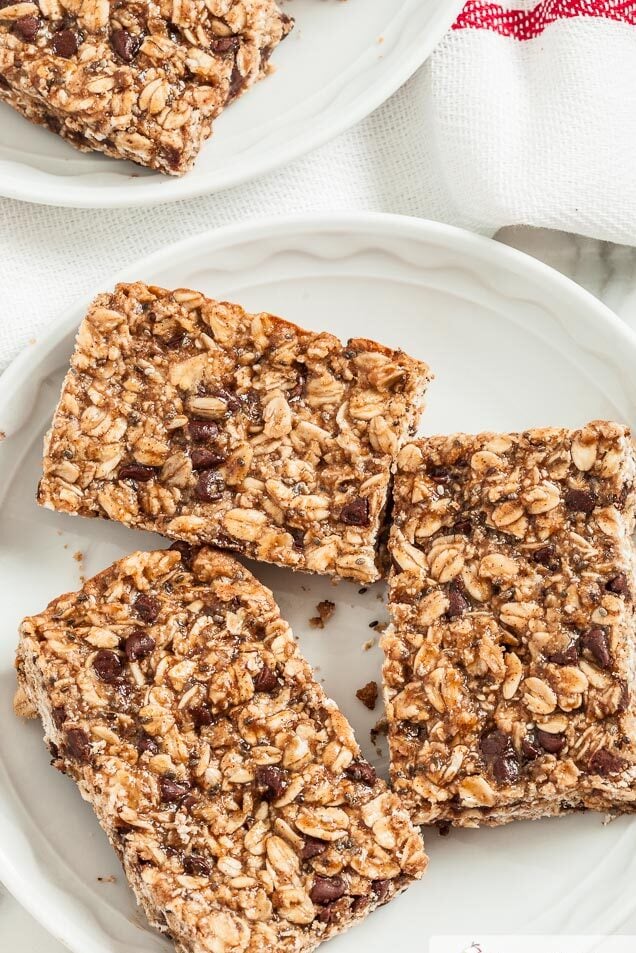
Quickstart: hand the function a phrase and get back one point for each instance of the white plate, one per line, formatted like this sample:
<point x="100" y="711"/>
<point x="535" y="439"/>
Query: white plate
<point x="513" y="344"/>
<point x="340" y="62"/>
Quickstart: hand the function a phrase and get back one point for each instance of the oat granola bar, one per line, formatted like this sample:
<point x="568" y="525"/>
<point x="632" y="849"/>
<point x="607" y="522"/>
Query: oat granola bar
<point x="232" y="789"/>
<point x="135" y="80"/>
<point x="509" y="667"/>
<point x="195" y="419"/>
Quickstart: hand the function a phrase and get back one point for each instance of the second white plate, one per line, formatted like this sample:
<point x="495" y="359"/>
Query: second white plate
<point x="513" y="344"/>
<point x="339" y="63"/>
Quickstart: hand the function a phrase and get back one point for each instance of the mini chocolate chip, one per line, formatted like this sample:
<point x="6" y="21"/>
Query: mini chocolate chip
<point x="65" y="43"/>
<point x="138" y="645"/>
<point x="237" y="82"/>
<point x="439" y="474"/>
<point x="266" y="680"/>
<point x="270" y="781"/>
<point x="206" y="459"/>
<point x="171" y="791"/>
<point x="530" y="748"/>
<point x="327" y="889"/>
<point x="125" y="44"/>
<point x="463" y="527"/>
<point x="186" y="551"/>
<point x="553" y="744"/>
<point x="27" y="28"/>
<point x="201" y="716"/>
<point x="203" y="431"/>
<point x="580" y="501"/>
<point x="298" y="536"/>
<point x="78" y="744"/>
<point x="362" y="771"/>
<point x="147" y="607"/>
<point x="209" y="487"/>
<point x="545" y="556"/>
<point x="312" y="847"/>
<point x="457" y="602"/>
<point x="597" y="644"/>
<point x="136" y="472"/>
<point x="108" y="666"/>
<point x="603" y="762"/>
<point x="501" y="757"/>
<point x="146" y="744"/>
<point x="618" y="585"/>
<point x="356" y="512"/>
<point x="59" y="716"/>
<point x="196" y="866"/>
<point x="380" y="889"/>
<point x="225" y="44"/>
<point x="569" y="656"/>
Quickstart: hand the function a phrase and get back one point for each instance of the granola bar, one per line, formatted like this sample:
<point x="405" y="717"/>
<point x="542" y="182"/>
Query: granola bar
<point x="195" y="419"/>
<point x="140" y="81"/>
<point x="232" y="789"/>
<point x="510" y="664"/>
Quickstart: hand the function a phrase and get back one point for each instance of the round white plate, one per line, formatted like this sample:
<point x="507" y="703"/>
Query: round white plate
<point x="340" y="62"/>
<point x="513" y="344"/>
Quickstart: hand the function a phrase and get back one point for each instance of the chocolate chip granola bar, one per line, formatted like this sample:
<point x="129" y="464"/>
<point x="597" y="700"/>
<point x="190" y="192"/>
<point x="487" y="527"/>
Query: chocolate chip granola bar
<point x="510" y="664"/>
<point x="135" y="80"/>
<point x="232" y="789"/>
<point x="195" y="419"/>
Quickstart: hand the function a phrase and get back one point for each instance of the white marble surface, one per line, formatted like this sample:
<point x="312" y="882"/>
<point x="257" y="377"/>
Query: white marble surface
<point x="608" y="271"/>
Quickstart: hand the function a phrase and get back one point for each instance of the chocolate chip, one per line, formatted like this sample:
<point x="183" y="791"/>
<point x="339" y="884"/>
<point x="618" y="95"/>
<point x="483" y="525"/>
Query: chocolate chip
<point x="136" y="472"/>
<point x="270" y="781"/>
<point x="59" y="716"/>
<point x="380" y="889"/>
<point x="530" y="748"/>
<point x="356" y="512"/>
<point x="580" y="501"/>
<point x="125" y="45"/>
<point x="545" y="556"/>
<point x="146" y="744"/>
<point x="108" y="666"/>
<point x="440" y="474"/>
<point x="206" y="459"/>
<point x="463" y="527"/>
<point x="327" y="914"/>
<point x="78" y="745"/>
<point x="266" y="680"/>
<point x="203" y="431"/>
<point x="595" y="641"/>
<point x="225" y="44"/>
<point x="569" y="656"/>
<point x="298" y="535"/>
<point x="209" y="487"/>
<point x="27" y="28"/>
<point x="327" y="889"/>
<point x="237" y="82"/>
<point x="65" y="43"/>
<point x="312" y="847"/>
<point x="603" y="762"/>
<point x="201" y="716"/>
<point x="362" y="771"/>
<point x="298" y="389"/>
<point x="553" y="744"/>
<point x="457" y="602"/>
<point x="138" y="645"/>
<point x="618" y="585"/>
<point x="196" y="866"/>
<point x="186" y="551"/>
<point x="147" y="607"/>
<point x="500" y="756"/>
<point x="171" y="791"/>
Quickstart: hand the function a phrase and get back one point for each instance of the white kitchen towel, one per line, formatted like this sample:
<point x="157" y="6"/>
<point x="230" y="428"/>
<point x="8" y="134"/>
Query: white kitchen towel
<point x="524" y="114"/>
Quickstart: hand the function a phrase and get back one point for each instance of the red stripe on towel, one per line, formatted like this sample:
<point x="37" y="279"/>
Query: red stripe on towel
<point x="527" y="24"/>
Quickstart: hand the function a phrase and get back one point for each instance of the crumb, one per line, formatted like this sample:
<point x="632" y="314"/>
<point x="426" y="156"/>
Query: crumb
<point x="368" y="695"/>
<point x="325" y="610"/>
<point x="380" y="597"/>
<point x="78" y="556"/>
<point x="362" y="591"/>
<point x="111" y="879"/>
<point x="3" y="436"/>
<point x="368" y="644"/>
<point x="444" y="828"/>
<point x="381" y="727"/>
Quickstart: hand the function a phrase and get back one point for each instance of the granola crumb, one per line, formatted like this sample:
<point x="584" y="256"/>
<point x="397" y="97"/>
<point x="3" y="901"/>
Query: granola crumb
<point x="325" y="610"/>
<point x="368" y="695"/>
<point x="368" y="644"/>
<point x="381" y="727"/>
<point x="110" y="879"/>
<point x="3" y="436"/>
